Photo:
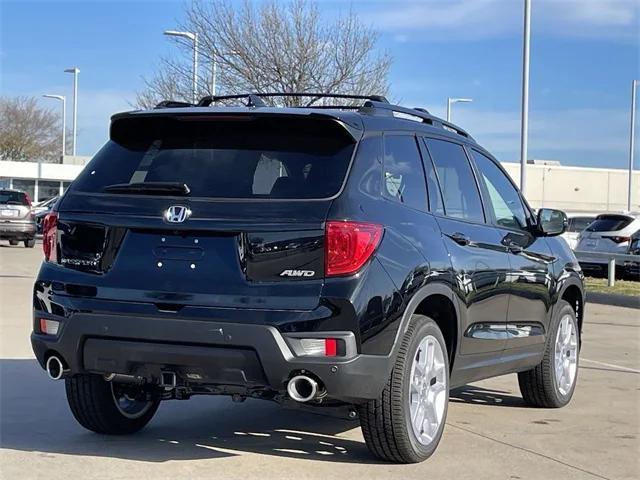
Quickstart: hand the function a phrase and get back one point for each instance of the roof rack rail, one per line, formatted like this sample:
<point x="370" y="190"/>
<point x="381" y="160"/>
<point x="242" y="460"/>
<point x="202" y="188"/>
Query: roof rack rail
<point x="254" y="99"/>
<point x="421" y="113"/>
<point x="173" y="104"/>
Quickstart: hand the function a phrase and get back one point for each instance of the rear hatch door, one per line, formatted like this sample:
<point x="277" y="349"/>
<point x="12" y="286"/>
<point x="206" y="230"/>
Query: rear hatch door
<point x="14" y="206"/>
<point x="604" y="232"/>
<point x="209" y="211"/>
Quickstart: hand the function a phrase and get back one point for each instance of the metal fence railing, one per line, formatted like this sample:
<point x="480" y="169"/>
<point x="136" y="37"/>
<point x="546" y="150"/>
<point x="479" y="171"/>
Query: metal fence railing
<point x="610" y="259"/>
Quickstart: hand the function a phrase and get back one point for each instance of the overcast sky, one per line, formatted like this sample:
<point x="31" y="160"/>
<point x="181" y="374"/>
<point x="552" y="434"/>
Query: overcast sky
<point x="584" y="55"/>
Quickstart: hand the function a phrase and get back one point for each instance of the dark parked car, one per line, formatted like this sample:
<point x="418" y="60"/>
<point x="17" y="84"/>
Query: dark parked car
<point x="42" y="210"/>
<point x="16" y="218"/>
<point x="632" y="267"/>
<point x="368" y="259"/>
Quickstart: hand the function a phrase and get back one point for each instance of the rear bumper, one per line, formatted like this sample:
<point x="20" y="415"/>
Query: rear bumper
<point x="19" y="230"/>
<point x="202" y="352"/>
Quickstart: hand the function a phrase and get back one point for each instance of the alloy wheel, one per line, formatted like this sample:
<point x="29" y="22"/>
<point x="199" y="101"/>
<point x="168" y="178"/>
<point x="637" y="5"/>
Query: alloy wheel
<point x="566" y="354"/>
<point x="428" y="390"/>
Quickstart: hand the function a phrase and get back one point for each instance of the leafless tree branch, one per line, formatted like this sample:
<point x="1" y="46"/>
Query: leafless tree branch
<point x="28" y="132"/>
<point x="273" y="46"/>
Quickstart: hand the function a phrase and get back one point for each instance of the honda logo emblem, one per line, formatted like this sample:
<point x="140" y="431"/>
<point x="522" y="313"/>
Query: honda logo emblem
<point x="176" y="214"/>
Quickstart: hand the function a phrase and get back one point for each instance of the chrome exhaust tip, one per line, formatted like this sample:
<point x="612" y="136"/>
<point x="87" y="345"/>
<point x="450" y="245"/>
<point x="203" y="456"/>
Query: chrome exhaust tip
<point x="54" y="367"/>
<point x="302" y="388"/>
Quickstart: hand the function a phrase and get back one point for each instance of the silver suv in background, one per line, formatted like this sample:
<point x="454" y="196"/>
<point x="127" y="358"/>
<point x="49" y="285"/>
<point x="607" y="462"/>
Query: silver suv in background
<point x="609" y="233"/>
<point x="17" y="223"/>
<point x="578" y="222"/>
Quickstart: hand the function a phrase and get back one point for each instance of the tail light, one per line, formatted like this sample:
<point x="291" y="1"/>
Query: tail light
<point x="49" y="234"/>
<point x="348" y="246"/>
<point x="619" y="239"/>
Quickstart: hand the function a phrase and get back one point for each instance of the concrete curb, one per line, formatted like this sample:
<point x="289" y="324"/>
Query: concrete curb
<point x="628" y="301"/>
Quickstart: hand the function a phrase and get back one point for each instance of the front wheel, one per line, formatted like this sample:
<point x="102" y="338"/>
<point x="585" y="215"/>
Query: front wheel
<point x="109" y="407"/>
<point x="406" y="423"/>
<point x="551" y="383"/>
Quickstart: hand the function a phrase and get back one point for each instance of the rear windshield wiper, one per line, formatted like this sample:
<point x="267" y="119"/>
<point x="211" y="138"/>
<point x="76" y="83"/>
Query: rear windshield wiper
<point x="149" y="188"/>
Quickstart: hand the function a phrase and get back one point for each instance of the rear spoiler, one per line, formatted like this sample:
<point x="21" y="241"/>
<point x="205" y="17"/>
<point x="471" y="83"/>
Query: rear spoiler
<point x="352" y="124"/>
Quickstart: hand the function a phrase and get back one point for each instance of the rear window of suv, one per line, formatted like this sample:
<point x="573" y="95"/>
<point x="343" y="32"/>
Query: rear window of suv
<point x="578" y="224"/>
<point x="8" y="197"/>
<point x="609" y="223"/>
<point x="231" y="157"/>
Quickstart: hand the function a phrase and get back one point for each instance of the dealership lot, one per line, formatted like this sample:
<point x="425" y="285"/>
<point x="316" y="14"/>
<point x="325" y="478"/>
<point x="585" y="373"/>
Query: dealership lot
<point x="490" y="433"/>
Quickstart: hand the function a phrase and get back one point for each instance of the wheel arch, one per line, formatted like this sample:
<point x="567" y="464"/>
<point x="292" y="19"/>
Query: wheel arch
<point x="573" y="293"/>
<point x="437" y="302"/>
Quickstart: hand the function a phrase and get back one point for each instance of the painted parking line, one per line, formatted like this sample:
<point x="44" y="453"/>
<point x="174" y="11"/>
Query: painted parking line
<point x="611" y="365"/>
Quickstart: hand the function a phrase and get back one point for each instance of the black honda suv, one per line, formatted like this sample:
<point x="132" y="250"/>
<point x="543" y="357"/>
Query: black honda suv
<point x="363" y="257"/>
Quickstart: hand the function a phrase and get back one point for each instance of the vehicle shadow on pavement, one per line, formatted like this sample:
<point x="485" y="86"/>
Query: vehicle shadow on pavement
<point x="475" y="395"/>
<point x="34" y="416"/>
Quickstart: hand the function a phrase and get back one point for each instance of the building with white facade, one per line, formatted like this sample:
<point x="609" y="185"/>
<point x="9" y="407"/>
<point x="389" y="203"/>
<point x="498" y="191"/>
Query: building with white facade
<point x="41" y="180"/>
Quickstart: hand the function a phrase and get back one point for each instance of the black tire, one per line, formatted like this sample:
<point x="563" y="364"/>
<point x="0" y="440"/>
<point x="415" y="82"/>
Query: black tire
<point x="13" y="243"/>
<point x="92" y="403"/>
<point x="539" y="386"/>
<point x="386" y="421"/>
<point x="30" y="243"/>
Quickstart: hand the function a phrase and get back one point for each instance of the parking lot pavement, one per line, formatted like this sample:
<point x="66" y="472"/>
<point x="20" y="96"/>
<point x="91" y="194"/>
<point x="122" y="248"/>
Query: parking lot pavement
<point x="490" y="433"/>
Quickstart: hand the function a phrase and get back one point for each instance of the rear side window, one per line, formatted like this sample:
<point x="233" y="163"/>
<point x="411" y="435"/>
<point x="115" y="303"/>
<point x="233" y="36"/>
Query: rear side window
<point x="578" y="224"/>
<point x="403" y="174"/>
<point x="8" y="197"/>
<point x="234" y="157"/>
<point x="609" y="223"/>
<point x="457" y="183"/>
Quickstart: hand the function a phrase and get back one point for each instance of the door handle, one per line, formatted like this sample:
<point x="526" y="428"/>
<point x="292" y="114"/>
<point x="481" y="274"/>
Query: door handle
<point x="460" y="238"/>
<point x="514" y="248"/>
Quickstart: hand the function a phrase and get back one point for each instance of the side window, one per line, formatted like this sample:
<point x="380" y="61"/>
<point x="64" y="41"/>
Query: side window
<point x="505" y="201"/>
<point x="403" y="179"/>
<point x="436" y="205"/>
<point x="457" y="183"/>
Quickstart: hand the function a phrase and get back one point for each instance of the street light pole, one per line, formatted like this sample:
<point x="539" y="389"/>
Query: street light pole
<point x="64" y="120"/>
<point x="75" y="71"/>
<point x="451" y="101"/>
<point x="524" y="124"/>
<point x="632" y="146"/>
<point x="194" y="38"/>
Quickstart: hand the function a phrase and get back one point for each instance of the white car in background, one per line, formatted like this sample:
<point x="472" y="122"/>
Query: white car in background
<point x="610" y="233"/>
<point x="577" y="222"/>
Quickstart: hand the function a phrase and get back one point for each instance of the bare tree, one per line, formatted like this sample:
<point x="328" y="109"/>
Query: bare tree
<point x="276" y="46"/>
<point x="27" y="131"/>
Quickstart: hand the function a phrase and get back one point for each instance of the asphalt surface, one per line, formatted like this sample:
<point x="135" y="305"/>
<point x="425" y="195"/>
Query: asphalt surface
<point x="490" y="433"/>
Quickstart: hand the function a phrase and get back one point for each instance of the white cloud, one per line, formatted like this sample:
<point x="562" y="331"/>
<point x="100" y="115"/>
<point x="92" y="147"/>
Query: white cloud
<point x="473" y="19"/>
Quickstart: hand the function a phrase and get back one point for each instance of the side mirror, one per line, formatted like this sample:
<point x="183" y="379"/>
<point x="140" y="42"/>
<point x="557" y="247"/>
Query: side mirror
<point x="551" y="222"/>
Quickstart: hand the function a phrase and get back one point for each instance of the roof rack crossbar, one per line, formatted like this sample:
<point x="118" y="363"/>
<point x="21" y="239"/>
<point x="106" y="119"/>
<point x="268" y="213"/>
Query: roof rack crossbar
<point x="208" y="100"/>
